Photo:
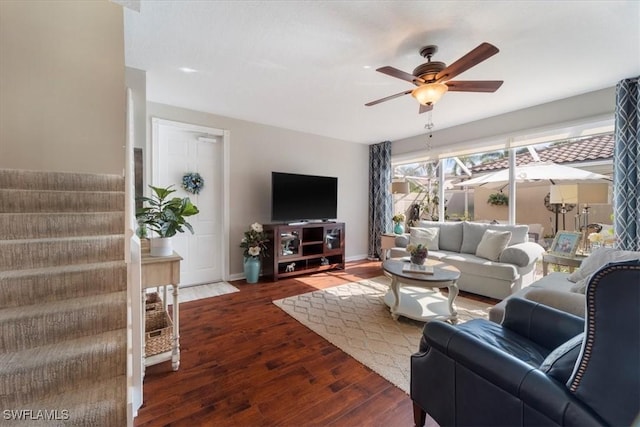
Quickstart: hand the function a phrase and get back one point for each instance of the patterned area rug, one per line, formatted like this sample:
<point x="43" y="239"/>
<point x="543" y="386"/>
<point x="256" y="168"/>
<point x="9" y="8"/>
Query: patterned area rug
<point x="355" y="318"/>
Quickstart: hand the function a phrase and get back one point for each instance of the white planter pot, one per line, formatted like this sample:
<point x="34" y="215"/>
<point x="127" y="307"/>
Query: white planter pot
<point x="161" y="246"/>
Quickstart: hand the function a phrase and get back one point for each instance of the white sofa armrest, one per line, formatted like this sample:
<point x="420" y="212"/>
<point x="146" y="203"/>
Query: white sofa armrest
<point x="522" y="254"/>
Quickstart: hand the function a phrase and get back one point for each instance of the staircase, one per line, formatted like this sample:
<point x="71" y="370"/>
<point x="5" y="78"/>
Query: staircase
<point x="63" y="300"/>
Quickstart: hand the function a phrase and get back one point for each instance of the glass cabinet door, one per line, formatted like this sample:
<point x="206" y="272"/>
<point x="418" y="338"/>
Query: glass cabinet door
<point x="290" y="243"/>
<point x="333" y="238"/>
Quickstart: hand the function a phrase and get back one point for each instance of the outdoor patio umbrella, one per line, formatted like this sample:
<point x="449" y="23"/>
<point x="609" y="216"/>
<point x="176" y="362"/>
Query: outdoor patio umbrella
<point x="533" y="172"/>
<point x="538" y="172"/>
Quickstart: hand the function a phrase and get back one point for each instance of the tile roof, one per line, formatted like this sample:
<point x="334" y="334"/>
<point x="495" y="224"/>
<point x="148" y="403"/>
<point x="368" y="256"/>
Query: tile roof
<point x="599" y="147"/>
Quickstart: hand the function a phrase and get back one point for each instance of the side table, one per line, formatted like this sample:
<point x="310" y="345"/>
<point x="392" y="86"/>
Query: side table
<point x="569" y="261"/>
<point x="156" y="272"/>
<point x="387" y="241"/>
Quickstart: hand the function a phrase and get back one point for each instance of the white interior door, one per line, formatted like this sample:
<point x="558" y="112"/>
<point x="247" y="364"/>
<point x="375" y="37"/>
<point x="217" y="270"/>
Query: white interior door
<point x="183" y="150"/>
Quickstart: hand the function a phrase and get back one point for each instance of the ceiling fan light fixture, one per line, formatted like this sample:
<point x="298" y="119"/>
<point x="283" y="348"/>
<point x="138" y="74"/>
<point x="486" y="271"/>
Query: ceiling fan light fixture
<point x="430" y="93"/>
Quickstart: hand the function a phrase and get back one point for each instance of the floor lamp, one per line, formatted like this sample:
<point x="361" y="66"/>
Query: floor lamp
<point x="563" y="195"/>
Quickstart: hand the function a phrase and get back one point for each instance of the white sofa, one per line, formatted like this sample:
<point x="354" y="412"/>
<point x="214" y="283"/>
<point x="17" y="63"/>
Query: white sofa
<point x="565" y="291"/>
<point x="457" y="244"/>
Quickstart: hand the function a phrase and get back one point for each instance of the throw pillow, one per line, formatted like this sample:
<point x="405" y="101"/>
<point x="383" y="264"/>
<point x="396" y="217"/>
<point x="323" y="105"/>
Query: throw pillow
<point x="427" y="236"/>
<point x="471" y="236"/>
<point x="594" y="262"/>
<point x="492" y="244"/>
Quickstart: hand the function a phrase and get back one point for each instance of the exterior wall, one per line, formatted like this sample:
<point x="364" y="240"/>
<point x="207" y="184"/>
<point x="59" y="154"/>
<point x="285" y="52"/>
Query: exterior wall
<point x="256" y="150"/>
<point x="62" y="103"/>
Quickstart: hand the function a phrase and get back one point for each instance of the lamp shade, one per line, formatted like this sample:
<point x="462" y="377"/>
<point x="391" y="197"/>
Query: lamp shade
<point x="593" y="193"/>
<point x="400" y="187"/>
<point x="580" y="193"/>
<point x="430" y="93"/>
<point x="564" y="193"/>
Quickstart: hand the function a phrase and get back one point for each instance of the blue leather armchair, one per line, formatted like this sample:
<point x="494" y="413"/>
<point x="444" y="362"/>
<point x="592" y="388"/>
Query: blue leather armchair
<point x="541" y="366"/>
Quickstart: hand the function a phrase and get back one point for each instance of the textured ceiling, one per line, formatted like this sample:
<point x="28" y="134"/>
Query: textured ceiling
<point x="301" y="65"/>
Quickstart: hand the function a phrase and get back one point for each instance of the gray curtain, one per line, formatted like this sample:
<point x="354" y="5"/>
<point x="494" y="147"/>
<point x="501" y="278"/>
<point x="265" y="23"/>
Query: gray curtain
<point x="626" y="169"/>
<point x="380" y="200"/>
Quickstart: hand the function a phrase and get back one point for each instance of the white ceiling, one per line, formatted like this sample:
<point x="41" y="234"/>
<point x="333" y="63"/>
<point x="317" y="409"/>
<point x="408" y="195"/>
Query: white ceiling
<point x="301" y="64"/>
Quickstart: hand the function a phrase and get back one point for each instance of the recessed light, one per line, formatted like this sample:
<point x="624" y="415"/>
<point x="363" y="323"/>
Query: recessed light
<point x="187" y="70"/>
<point x="366" y="67"/>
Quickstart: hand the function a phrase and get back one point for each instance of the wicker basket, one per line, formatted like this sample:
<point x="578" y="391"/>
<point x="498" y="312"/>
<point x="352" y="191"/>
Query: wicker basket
<point x="152" y="302"/>
<point x="158" y="332"/>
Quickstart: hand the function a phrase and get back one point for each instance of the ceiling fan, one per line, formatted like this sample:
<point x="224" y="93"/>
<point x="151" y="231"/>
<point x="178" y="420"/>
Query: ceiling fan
<point x="433" y="78"/>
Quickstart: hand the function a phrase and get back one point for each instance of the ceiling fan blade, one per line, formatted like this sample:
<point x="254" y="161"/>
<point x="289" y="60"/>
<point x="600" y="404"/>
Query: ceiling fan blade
<point x="387" y="98"/>
<point x="476" y="56"/>
<point x="474" y="85"/>
<point x="399" y="74"/>
<point x="425" y="108"/>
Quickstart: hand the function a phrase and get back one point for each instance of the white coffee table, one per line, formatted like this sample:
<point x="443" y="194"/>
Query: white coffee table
<point x="412" y="295"/>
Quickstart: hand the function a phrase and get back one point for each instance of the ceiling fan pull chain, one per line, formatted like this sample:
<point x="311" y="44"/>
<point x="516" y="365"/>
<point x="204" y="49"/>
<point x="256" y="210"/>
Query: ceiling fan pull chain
<point x="429" y="125"/>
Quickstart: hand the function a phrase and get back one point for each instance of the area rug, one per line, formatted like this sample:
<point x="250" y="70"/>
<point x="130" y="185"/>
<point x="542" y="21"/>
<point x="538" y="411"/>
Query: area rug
<point x="192" y="293"/>
<point x="355" y="318"/>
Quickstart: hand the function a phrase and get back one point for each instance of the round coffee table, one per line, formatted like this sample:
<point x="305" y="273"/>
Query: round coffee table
<point x="411" y="294"/>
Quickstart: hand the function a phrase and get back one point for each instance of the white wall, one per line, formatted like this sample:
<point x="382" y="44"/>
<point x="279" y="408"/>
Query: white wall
<point x="62" y="92"/>
<point x="256" y="150"/>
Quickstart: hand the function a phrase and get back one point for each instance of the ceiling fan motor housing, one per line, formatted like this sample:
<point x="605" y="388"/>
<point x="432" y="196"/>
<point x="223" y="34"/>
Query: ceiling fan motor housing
<point x="429" y="70"/>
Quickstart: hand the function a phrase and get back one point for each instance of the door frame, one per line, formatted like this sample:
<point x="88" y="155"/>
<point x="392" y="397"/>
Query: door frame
<point x="152" y="175"/>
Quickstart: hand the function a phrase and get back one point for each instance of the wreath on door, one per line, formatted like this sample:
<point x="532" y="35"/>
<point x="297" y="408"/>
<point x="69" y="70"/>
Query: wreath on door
<point x="192" y="182"/>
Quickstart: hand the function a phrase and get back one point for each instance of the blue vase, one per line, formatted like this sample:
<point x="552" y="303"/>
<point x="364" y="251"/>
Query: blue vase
<point x="398" y="229"/>
<point x="252" y="269"/>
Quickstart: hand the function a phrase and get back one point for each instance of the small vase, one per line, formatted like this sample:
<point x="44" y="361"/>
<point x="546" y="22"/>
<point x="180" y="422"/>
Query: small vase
<point x="417" y="260"/>
<point x="252" y="269"/>
<point x="398" y="229"/>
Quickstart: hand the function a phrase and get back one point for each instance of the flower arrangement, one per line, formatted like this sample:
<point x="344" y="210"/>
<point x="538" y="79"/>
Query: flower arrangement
<point x="419" y="250"/>
<point x="254" y="241"/>
<point x="398" y="218"/>
<point x="192" y="182"/>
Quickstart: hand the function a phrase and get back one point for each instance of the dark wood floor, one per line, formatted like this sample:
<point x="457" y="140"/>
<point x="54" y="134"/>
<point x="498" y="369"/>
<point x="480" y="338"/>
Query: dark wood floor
<point x="244" y="362"/>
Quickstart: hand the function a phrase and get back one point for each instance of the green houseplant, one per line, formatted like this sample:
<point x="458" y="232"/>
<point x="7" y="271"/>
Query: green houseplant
<point x="165" y="217"/>
<point x="498" y="199"/>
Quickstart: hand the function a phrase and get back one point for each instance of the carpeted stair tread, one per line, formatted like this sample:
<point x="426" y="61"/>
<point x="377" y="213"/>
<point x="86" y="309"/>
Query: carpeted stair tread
<point x="15" y="201"/>
<point x="14" y="226"/>
<point x="101" y="404"/>
<point x="27" y="179"/>
<point x="37" y="253"/>
<point x="41" y="324"/>
<point x="25" y="287"/>
<point x="32" y="374"/>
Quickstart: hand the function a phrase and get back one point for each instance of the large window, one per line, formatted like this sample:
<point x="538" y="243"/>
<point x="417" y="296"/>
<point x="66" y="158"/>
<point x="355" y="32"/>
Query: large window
<point x="489" y="202"/>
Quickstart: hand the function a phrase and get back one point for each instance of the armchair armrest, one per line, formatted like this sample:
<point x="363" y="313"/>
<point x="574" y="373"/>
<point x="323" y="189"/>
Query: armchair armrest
<point x="496" y="366"/>
<point x="541" y="324"/>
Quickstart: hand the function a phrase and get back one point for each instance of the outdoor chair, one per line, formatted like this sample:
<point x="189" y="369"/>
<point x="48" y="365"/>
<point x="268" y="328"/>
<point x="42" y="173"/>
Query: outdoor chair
<point x="541" y="366"/>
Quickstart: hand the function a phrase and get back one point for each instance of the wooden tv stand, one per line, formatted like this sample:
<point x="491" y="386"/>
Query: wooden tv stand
<point x="303" y="248"/>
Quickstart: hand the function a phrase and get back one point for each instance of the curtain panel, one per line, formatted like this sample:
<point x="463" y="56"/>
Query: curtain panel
<point x="380" y="200"/>
<point x="626" y="169"/>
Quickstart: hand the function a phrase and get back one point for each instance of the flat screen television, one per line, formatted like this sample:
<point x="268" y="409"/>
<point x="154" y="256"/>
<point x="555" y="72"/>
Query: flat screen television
<point x="296" y="197"/>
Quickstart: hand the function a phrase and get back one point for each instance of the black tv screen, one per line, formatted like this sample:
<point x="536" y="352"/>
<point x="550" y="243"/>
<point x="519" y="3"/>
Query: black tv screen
<point x="297" y="197"/>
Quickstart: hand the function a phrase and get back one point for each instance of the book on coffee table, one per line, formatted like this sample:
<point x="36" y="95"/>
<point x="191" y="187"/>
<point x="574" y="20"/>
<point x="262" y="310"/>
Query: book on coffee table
<point x="415" y="268"/>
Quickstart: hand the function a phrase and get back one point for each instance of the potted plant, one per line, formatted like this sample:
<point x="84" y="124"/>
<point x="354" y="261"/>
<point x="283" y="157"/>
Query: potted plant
<point x="398" y="220"/>
<point x="418" y="253"/>
<point x="254" y="244"/>
<point x="165" y="216"/>
<point x="498" y="199"/>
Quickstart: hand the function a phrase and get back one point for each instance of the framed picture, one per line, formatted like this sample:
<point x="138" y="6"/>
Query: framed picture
<point x="566" y="243"/>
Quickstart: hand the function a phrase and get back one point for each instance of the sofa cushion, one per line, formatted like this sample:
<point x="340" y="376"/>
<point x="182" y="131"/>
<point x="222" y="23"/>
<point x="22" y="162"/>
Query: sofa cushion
<point x="474" y="265"/>
<point x="598" y="258"/>
<point x="594" y="262"/>
<point x="473" y="232"/>
<point x="471" y="236"/>
<point x="492" y="244"/>
<point x="522" y="254"/>
<point x="450" y="238"/>
<point x="425" y="236"/>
